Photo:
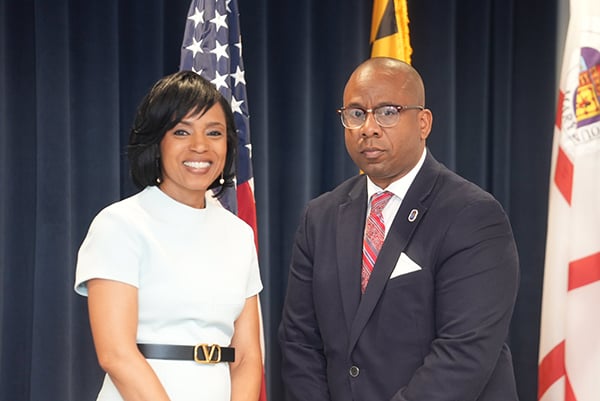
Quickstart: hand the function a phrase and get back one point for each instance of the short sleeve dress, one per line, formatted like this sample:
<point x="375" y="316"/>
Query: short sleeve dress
<point x="193" y="268"/>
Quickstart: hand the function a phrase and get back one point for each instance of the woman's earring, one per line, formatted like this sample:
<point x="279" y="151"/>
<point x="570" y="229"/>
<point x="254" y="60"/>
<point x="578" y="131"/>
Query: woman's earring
<point x="157" y="163"/>
<point x="222" y="180"/>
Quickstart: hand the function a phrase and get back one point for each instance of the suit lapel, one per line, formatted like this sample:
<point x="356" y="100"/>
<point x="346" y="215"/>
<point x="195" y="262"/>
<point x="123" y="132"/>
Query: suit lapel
<point x="402" y="229"/>
<point x="351" y="224"/>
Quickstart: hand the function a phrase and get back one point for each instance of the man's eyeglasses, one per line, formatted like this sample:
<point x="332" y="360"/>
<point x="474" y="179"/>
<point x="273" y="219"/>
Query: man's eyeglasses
<point x="386" y="116"/>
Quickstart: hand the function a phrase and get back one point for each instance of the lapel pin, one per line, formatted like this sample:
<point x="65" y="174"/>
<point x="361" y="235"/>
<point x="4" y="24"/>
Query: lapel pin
<point x="412" y="216"/>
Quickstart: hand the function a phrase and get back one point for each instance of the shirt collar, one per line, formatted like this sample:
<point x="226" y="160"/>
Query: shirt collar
<point x="401" y="185"/>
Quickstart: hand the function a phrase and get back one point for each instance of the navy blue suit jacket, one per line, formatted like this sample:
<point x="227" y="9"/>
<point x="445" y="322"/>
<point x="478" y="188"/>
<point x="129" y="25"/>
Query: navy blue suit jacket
<point x="432" y="334"/>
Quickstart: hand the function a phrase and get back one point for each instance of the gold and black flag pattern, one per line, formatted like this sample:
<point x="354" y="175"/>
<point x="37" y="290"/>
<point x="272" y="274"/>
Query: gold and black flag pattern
<point x="389" y="30"/>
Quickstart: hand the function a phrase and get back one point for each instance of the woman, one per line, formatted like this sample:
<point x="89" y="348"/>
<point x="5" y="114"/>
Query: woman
<point x="171" y="277"/>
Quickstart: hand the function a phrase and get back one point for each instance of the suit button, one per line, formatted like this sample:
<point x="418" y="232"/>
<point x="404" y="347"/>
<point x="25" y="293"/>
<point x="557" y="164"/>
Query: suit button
<point x="354" y="371"/>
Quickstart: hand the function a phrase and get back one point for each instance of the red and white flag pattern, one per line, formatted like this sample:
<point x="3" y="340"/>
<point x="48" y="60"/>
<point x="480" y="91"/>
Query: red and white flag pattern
<point x="569" y="357"/>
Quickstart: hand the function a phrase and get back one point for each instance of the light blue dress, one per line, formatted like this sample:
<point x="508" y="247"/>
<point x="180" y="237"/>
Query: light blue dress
<point x="194" y="269"/>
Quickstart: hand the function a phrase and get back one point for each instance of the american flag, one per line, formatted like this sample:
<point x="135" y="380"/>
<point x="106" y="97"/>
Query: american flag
<point x="212" y="47"/>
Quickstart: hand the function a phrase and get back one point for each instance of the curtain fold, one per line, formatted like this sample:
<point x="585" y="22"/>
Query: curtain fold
<point x="72" y="74"/>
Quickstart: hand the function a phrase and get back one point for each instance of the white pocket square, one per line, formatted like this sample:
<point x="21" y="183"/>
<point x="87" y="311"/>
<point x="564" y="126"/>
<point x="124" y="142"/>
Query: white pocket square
<point x="404" y="265"/>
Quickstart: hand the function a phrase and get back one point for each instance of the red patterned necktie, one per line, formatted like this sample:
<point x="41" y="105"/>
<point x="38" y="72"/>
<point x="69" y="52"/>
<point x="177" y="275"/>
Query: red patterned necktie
<point x="374" y="235"/>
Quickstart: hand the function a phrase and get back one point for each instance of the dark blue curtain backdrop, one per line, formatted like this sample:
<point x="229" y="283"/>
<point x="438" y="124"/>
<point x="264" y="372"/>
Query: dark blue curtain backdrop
<point x="72" y="73"/>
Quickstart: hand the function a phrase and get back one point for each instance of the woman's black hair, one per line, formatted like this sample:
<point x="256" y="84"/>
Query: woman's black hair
<point x="171" y="99"/>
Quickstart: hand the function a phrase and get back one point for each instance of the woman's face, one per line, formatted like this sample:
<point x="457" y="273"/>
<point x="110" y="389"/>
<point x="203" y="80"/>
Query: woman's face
<point x="193" y="155"/>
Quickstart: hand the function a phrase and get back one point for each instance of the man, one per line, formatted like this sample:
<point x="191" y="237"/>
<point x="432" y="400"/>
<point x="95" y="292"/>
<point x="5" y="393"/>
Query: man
<point x="425" y="317"/>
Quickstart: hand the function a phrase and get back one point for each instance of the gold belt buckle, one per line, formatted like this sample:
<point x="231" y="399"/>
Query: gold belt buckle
<point x="209" y="351"/>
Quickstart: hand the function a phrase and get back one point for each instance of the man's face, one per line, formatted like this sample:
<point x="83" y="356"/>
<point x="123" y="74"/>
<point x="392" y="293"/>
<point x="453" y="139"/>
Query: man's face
<point x="385" y="154"/>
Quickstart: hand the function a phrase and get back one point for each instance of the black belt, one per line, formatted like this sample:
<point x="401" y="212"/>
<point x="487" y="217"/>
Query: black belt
<point x="201" y="353"/>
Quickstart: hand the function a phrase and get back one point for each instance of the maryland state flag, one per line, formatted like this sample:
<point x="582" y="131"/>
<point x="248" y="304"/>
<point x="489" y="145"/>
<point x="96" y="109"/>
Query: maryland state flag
<point x="389" y="30"/>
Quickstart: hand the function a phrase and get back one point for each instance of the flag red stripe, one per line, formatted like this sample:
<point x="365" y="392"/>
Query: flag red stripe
<point x="552" y="368"/>
<point x="569" y="393"/>
<point x="247" y="212"/>
<point x="584" y="271"/>
<point x="247" y="208"/>
<point x="563" y="175"/>
<point x="263" y="389"/>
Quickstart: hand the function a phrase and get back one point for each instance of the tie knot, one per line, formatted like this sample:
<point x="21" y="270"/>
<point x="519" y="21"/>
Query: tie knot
<point x="378" y="201"/>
